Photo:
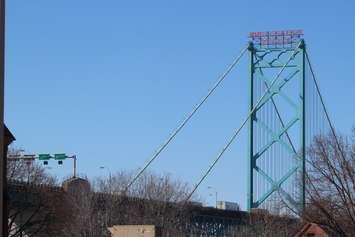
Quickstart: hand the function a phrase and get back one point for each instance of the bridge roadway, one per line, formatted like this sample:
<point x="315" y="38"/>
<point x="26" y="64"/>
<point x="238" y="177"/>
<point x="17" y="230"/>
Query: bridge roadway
<point x="192" y="219"/>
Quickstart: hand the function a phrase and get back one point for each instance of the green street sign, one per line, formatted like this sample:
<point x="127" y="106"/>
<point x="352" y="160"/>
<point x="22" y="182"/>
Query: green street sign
<point x="44" y="156"/>
<point x="60" y="156"/>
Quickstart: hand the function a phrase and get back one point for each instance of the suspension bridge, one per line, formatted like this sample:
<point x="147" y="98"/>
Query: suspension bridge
<point x="286" y="112"/>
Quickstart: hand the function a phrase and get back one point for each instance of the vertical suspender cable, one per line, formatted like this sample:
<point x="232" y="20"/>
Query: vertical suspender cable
<point x="325" y="109"/>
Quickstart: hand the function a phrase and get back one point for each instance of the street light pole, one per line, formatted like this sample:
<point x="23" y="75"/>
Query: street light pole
<point x="59" y="157"/>
<point x="74" y="164"/>
<point x="74" y="158"/>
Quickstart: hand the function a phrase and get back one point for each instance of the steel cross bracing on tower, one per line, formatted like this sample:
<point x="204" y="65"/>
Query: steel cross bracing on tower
<point x="277" y="125"/>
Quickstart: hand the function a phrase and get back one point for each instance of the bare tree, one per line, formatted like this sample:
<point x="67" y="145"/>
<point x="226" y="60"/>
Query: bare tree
<point x="149" y="186"/>
<point x="30" y="172"/>
<point x="330" y="184"/>
<point x="37" y="206"/>
<point x="262" y="223"/>
<point x="39" y="210"/>
<point x="153" y="199"/>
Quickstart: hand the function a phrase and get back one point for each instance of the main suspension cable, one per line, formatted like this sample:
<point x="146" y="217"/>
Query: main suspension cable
<point x="187" y="119"/>
<point x="230" y="141"/>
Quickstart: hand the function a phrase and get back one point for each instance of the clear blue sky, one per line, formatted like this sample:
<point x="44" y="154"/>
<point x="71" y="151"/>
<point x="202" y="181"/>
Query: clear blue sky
<point x="108" y="80"/>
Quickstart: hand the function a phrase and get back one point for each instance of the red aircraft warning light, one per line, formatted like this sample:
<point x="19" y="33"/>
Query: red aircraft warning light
<point x="276" y="39"/>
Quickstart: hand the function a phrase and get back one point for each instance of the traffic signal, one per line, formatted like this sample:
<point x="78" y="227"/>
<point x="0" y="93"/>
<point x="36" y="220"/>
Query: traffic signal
<point x="60" y="157"/>
<point x="45" y="158"/>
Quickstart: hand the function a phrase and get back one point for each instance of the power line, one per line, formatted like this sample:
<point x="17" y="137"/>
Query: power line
<point x="230" y="141"/>
<point x="187" y="119"/>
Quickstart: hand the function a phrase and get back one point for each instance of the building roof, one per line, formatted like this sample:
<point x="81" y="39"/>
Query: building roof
<point x="311" y="229"/>
<point x="9" y="137"/>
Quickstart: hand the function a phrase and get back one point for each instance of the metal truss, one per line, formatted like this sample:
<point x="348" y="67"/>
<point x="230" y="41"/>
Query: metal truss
<point x="263" y="62"/>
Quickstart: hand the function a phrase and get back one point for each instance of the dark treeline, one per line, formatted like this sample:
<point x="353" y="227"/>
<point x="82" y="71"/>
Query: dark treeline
<point x="40" y="206"/>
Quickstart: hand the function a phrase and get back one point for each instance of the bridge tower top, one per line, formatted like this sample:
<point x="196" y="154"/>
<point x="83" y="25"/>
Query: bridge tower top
<point x="284" y="39"/>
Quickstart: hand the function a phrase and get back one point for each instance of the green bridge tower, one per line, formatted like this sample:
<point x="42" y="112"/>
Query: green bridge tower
<point x="276" y="143"/>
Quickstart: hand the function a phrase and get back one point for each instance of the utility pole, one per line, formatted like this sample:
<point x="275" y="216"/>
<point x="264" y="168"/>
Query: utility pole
<point x="60" y="157"/>
<point x="3" y="189"/>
